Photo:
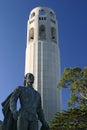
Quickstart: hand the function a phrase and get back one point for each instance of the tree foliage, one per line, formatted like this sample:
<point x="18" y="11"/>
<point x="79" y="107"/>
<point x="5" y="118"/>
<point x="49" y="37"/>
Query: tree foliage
<point x="72" y="119"/>
<point x="75" y="118"/>
<point x="75" y="79"/>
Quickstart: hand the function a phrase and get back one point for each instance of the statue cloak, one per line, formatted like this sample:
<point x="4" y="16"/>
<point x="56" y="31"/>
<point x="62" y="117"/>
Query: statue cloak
<point x="8" y="123"/>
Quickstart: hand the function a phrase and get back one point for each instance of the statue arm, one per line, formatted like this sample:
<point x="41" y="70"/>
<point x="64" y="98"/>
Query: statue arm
<point x="42" y="118"/>
<point x="13" y="100"/>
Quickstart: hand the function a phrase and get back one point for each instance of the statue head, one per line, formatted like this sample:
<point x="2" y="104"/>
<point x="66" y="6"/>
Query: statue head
<point x="28" y="79"/>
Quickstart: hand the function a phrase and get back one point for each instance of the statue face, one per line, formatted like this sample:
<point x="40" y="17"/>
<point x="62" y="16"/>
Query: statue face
<point x="29" y="78"/>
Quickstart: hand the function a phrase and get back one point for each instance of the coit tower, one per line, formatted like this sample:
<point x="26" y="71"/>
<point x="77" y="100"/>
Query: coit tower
<point x="43" y="57"/>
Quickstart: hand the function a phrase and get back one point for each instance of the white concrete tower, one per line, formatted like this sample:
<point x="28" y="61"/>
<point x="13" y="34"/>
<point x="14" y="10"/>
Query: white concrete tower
<point x="43" y="57"/>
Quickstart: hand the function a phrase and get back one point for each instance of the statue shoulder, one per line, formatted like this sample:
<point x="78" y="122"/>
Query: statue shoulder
<point x="18" y="89"/>
<point x="38" y="94"/>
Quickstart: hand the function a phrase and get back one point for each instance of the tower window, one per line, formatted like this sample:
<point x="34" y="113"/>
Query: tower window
<point x="42" y="32"/>
<point x="42" y="18"/>
<point x="42" y="12"/>
<point x="52" y="14"/>
<point x="53" y="21"/>
<point x="31" y="21"/>
<point x="31" y="34"/>
<point x="39" y="18"/>
<point x="33" y="14"/>
<point x="53" y="33"/>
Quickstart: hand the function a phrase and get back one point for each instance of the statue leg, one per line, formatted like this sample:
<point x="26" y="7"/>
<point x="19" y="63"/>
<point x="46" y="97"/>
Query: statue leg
<point x="22" y="123"/>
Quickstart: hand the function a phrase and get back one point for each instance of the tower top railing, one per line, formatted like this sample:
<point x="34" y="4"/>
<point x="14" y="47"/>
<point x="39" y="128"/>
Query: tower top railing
<point x="42" y="11"/>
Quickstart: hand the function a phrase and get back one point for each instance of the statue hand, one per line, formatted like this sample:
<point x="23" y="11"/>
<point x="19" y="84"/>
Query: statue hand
<point x="15" y="115"/>
<point x="45" y="126"/>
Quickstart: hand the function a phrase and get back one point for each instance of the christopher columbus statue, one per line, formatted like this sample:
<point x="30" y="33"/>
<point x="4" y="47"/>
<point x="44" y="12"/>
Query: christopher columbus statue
<point x="26" y="118"/>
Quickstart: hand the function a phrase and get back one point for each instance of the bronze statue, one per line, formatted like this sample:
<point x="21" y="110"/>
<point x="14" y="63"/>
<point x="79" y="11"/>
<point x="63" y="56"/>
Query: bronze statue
<point x="26" y="118"/>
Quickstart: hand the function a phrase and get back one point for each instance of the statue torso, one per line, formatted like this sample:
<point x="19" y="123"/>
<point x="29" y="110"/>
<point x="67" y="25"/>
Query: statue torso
<point x="29" y="101"/>
<point x="29" y="98"/>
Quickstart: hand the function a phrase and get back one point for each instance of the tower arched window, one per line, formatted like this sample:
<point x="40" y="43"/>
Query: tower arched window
<point x="52" y="14"/>
<point x="42" y="32"/>
<point x="42" y="12"/>
<point x="31" y="34"/>
<point x="53" y="33"/>
<point x="33" y="14"/>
